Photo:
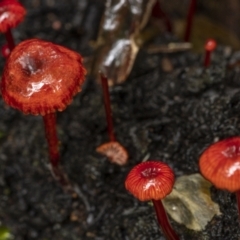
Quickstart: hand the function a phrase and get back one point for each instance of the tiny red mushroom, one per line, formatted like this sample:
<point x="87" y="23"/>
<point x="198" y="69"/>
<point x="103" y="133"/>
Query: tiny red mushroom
<point x="153" y="180"/>
<point x="113" y="150"/>
<point x="41" y="78"/>
<point x="220" y="164"/>
<point x="11" y="14"/>
<point x="210" y="46"/>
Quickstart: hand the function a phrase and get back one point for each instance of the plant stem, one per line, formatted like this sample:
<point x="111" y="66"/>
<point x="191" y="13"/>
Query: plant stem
<point x="159" y="13"/>
<point x="10" y="41"/>
<point x="163" y="221"/>
<point x="107" y="108"/>
<point x="191" y="12"/>
<point x="51" y="135"/>
<point x="52" y="139"/>
<point x="210" y="45"/>
<point x="207" y="58"/>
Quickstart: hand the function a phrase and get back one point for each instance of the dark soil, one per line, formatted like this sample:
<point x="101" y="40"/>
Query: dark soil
<point x="169" y="116"/>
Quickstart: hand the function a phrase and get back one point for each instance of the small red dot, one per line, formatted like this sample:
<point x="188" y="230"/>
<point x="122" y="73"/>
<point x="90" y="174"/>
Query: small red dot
<point x="210" y="45"/>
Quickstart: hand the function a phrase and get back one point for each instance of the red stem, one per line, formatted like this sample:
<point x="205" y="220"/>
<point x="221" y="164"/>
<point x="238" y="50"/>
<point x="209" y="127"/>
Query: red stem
<point x="163" y="221"/>
<point x="207" y="58"/>
<point x="191" y="12"/>
<point x="159" y="13"/>
<point x="108" y="108"/>
<point x="10" y="41"/>
<point x="56" y="170"/>
<point x="51" y="135"/>
<point x="238" y="203"/>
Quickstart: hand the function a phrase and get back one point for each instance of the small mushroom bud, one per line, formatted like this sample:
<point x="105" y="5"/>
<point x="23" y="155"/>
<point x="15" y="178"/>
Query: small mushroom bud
<point x="210" y="46"/>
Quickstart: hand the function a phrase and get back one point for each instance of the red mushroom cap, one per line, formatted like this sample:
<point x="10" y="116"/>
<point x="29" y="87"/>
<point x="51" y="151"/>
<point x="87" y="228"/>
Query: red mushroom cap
<point x="41" y="77"/>
<point x="220" y="164"/>
<point x="114" y="151"/>
<point x="11" y="14"/>
<point x="210" y="45"/>
<point x="151" y="180"/>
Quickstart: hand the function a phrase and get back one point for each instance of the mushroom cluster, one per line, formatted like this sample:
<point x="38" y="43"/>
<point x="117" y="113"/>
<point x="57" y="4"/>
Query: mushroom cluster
<point x="41" y="78"/>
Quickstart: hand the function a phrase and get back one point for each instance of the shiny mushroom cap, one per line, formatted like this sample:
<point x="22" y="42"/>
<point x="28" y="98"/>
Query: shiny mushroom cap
<point x="41" y="77"/>
<point x="11" y="14"/>
<point x="220" y="164"/>
<point x="151" y="180"/>
<point x="210" y="45"/>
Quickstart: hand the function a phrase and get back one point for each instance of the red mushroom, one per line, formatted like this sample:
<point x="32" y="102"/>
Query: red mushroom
<point x="113" y="150"/>
<point x="210" y="46"/>
<point x="220" y="164"/>
<point x="153" y="180"/>
<point x="11" y="14"/>
<point x="41" y="78"/>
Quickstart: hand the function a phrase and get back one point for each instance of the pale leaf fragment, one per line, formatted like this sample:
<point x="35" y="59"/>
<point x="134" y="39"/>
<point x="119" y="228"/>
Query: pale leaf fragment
<point x="190" y="202"/>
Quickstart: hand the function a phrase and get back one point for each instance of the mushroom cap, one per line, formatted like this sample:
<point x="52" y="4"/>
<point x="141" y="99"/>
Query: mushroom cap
<point x="41" y="77"/>
<point x="11" y="14"/>
<point x="220" y="164"/>
<point x="151" y="180"/>
<point x="210" y="44"/>
<point x="114" y="151"/>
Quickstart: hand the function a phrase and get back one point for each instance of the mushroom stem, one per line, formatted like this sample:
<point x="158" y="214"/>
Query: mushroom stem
<point x="189" y="22"/>
<point x="163" y="221"/>
<point x="9" y="38"/>
<point x="107" y="108"/>
<point x="210" y="45"/>
<point x="55" y="168"/>
<point x="51" y="135"/>
<point x="207" y="58"/>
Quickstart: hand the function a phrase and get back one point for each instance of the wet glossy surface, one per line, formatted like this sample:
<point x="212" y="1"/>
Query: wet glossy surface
<point x="121" y="24"/>
<point x="220" y="164"/>
<point x="115" y="10"/>
<point x="210" y="45"/>
<point x="41" y="77"/>
<point x="11" y="14"/>
<point x="150" y="180"/>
